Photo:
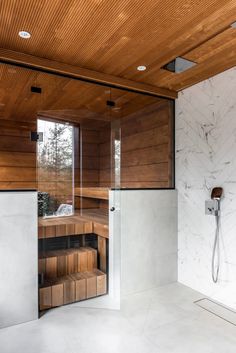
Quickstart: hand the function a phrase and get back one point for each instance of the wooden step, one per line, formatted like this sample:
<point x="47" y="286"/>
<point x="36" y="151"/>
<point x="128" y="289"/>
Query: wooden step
<point x="60" y="263"/>
<point x="90" y="221"/>
<point x="75" y="287"/>
<point x="63" y="226"/>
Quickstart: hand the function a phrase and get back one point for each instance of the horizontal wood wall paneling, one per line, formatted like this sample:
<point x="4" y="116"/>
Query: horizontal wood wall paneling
<point x="17" y="155"/>
<point x="153" y="172"/>
<point x="7" y="185"/>
<point x="103" y="204"/>
<point x="105" y="160"/>
<point x="83" y="202"/>
<point x="146" y="152"/>
<point x="20" y="126"/>
<point x="18" y="174"/>
<point x="145" y="142"/>
<point x="89" y="149"/>
<point x="148" y="155"/>
<point x="16" y="144"/>
<point x="90" y="136"/>
<point x="157" y="136"/>
<point x="135" y="122"/>
<point x="17" y="159"/>
<point x="89" y="175"/>
<point x="89" y="165"/>
<point x="105" y="148"/>
<point x="149" y="173"/>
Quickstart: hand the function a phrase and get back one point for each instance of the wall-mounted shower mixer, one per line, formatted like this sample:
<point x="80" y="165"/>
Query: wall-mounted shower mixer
<point x="212" y="207"/>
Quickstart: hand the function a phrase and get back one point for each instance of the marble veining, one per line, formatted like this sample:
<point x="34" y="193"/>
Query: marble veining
<point x="206" y="157"/>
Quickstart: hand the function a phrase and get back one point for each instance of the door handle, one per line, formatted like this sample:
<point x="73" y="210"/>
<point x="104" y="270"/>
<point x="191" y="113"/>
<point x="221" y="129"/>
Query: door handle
<point x="112" y="209"/>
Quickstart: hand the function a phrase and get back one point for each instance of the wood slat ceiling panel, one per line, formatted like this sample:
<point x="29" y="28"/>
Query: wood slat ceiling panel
<point x="63" y="98"/>
<point x="114" y="37"/>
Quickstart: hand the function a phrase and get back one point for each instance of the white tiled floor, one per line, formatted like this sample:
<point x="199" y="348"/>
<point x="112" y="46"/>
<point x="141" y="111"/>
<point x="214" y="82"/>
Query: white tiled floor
<point x="163" y="320"/>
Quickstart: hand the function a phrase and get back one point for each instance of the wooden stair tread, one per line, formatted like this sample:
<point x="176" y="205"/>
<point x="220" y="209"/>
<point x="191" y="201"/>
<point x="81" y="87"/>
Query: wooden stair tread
<point x="72" y="288"/>
<point x="84" y="274"/>
<point x="90" y="221"/>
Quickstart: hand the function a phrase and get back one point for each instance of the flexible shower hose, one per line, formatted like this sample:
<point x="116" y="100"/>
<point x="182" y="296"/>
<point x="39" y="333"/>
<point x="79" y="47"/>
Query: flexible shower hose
<point x="215" y="265"/>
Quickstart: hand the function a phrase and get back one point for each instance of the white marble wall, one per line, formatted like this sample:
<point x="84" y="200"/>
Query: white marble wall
<point x="206" y="157"/>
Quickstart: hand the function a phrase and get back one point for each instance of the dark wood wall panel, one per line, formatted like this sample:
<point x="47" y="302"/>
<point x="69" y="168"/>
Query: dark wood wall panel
<point x="89" y="151"/>
<point x="17" y="155"/>
<point x="87" y="174"/>
<point x="146" y="147"/>
<point x="146" y="152"/>
<point x="105" y="158"/>
<point x="148" y="155"/>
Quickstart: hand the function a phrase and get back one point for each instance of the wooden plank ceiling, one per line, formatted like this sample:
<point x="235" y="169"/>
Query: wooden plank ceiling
<point x="62" y="98"/>
<point x="114" y="37"/>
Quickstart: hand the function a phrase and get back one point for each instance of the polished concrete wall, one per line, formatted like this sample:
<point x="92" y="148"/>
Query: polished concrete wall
<point x="148" y="239"/>
<point x="18" y="257"/>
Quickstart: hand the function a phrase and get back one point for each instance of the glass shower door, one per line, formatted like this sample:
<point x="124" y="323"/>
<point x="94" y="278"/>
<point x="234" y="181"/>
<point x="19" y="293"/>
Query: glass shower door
<point x="55" y="161"/>
<point x="115" y="213"/>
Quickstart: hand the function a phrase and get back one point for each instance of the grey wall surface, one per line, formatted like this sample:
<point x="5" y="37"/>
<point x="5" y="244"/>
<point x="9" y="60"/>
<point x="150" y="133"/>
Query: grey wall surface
<point x="18" y="258"/>
<point x="148" y="239"/>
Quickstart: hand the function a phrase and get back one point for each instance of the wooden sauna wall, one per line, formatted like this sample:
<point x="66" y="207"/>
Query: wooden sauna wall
<point x="87" y="160"/>
<point x="94" y="168"/>
<point x="105" y="157"/>
<point x="146" y="153"/>
<point x="17" y="155"/>
<point x="147" y="147"/>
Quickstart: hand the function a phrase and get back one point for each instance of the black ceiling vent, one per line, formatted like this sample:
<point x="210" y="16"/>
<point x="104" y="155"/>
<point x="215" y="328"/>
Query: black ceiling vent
<point x="111" y="103"/>
<point x="35" y="89"/>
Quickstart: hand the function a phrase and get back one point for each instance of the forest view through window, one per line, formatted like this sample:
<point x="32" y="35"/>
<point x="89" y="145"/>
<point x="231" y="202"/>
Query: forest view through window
<point x="55" y="169"/>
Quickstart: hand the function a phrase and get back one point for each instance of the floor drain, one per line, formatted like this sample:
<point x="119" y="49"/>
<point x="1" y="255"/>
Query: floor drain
<point x="217" y="309"/>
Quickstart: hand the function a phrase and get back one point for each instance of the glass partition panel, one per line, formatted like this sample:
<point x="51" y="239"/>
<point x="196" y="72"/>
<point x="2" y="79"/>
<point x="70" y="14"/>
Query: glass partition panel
<point x="146" y="145"/>
<point x="115" y="154"/>
<point x="55" y="169"/>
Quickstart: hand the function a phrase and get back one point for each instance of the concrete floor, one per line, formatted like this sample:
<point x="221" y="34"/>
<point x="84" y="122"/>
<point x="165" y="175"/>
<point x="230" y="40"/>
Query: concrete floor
<point x="164" y="320"/>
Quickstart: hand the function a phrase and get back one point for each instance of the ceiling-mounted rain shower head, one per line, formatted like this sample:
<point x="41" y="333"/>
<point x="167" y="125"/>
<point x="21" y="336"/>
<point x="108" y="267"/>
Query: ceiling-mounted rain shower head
<point x="233" y="25"/>
<point x="217" y="193"/>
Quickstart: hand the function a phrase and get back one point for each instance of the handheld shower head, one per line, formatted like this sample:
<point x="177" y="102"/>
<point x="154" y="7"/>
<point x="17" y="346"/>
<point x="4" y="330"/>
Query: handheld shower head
<point x="216" y="193"/>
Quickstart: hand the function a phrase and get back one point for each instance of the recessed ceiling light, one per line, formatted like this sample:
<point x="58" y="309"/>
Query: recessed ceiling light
<point x="141" y="68"/>
<point x="24" y="34"/>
